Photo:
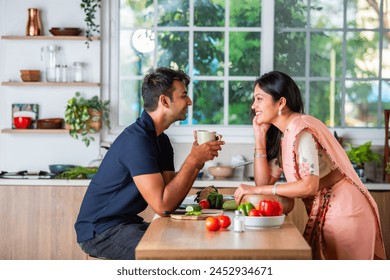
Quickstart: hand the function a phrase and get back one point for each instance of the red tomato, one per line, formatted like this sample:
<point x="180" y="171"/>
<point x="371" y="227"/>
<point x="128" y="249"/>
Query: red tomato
<point x="204" y="203"/>
<point x="225" y="221"/>
<point x="254" y="212"/>
<point x="270" y="208"/>
<point x="213" y="224"/>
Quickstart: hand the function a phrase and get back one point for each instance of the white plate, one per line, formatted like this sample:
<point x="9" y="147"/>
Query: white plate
<point x="259" y="222"/>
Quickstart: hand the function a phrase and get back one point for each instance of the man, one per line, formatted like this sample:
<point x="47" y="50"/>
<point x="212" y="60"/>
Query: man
<point x="138" y="170"/>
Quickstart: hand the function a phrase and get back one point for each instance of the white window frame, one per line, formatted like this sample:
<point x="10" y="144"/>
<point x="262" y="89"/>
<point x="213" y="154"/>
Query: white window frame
<point x="183" y="134"/>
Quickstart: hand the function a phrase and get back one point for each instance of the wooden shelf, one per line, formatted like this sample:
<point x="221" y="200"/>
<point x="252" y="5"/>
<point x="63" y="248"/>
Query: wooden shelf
<point x="49" y="84"/>
<point x="69" y="38"/>
<point x="35" y="131"/>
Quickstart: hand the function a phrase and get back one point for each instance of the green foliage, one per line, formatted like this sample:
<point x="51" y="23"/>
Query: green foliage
<point x="387" y="169"/>
<point x="90" y="8"/>
<point x="362" y="154"/>
<point x="77" y="116"/>
<point x="78" y="172"/>
<point x="290" y="53"/>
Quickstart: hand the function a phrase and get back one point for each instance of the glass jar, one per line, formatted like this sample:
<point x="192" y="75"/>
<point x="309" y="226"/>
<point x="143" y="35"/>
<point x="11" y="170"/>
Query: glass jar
<point x="239" y="221"/>
<point x="58" y="73"/>
<point x="64" y="70"/>
<point x="78" y="72"/>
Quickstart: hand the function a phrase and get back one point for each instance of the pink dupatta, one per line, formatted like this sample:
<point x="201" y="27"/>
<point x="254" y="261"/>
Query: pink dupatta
<point x="317" y="212"/>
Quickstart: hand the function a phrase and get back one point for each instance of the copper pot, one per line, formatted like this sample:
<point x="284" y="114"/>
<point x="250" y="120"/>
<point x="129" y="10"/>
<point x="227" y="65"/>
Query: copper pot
<point x="288" y="203"/>
<point x="34" y="25"/>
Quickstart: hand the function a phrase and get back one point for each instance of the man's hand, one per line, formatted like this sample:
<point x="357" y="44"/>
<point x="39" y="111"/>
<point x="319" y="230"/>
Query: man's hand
<point x="201" y="153"/>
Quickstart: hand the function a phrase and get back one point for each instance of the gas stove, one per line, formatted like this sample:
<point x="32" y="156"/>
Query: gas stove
<point x="24" y="174"/>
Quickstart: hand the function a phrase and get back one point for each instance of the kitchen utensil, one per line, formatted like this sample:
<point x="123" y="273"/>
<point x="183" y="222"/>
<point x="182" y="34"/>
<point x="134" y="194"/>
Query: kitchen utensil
<point x="60" y="168"/>
<point x="225" y="171"/>
<point x="65" y="31"/>
<point x="34" y="25"/>
<point x="287" y="202"/>
<point x="261" y="221"/>
<point x="30" y="75"/>
<point x="22" y="122"/>
<point x="52" y="123"/>
<point x="205" y="213"/>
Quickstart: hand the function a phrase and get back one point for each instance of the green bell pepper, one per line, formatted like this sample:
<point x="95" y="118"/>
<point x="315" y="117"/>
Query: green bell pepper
<point x="246" y="207"/>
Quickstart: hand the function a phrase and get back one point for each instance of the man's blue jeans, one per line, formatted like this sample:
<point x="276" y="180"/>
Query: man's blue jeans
<point x="116" y="243"/>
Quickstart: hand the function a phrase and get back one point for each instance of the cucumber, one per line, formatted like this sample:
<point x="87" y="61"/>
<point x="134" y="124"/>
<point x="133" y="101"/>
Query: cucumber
<point x="193" y="208"/>
<point x="230" y="205"/>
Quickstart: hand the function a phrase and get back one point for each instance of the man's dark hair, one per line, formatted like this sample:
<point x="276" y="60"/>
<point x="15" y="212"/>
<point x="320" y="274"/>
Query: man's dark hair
<point x="160" y="81"/>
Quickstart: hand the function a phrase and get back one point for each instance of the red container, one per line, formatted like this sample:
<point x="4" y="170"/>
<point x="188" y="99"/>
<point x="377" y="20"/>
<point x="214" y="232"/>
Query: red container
<point x="22" y="122"/>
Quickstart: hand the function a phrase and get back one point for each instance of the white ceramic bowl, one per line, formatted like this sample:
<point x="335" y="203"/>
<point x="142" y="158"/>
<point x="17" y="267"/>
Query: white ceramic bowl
<point x="262" y="221"/>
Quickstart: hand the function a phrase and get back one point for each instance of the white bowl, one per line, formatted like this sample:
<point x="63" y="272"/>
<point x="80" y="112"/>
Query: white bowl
<point x="262" y="221"/>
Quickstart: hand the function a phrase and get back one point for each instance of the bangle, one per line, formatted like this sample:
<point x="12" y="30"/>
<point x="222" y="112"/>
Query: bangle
<point x="274" y="189"/>
<point x="259" y="149"/>
<point x="260" y="155"/>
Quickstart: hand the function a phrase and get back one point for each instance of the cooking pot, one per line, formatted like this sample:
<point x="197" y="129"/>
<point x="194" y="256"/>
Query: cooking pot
<point x="225" y="171"/>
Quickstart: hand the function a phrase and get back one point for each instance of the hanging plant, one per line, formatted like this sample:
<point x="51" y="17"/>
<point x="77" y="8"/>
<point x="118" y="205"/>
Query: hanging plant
<point x="90" y="8"/>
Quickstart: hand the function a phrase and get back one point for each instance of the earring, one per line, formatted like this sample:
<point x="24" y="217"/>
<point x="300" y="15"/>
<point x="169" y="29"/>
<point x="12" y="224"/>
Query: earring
<point x="279" y="112"/>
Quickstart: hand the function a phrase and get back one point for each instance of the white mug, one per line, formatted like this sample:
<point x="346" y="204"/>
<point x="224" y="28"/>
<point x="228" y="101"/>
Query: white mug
<point x="204" y="136"/>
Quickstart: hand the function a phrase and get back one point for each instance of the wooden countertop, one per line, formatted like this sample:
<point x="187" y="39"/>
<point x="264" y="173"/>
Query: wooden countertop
<point x="171" y="239"/>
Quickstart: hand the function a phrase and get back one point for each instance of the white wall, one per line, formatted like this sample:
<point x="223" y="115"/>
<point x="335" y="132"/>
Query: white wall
<point x="37" y="151"/>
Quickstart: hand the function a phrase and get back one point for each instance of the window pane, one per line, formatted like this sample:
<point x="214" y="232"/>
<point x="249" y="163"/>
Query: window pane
<point x="326" y="14"/>
<point x="363" y="14"/>
<point x="209" y="53"/>
<point x="209" y="13"/>
<point x="362" y="54"/>
<point x="385" y="97"/>
<point x="245" y="13"/>
<point x="325" y="102"/>
<point x="173" y="12"/>
<point x="244" y="51"/>
<point x="240" y="101"/>
<point x="361" y="104"/>
<point x="136" y="13"/>
<point x="290" y="52"/>
<point x="129" y="101"/>
<point x="173" y="50"/>
<point x="326" y="54"/>
<point x="386" y="56"/>
<point x="208" y="102"/>
<point x="292" y="15"/>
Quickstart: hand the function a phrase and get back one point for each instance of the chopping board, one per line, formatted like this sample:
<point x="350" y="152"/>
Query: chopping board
<point x="205" y="213"/>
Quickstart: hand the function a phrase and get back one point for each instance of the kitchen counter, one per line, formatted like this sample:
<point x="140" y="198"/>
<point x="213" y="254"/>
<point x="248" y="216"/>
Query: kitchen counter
<point x="199" y="183"/>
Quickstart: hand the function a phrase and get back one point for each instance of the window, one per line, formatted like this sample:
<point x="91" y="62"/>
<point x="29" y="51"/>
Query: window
<point x="339" y="56"/>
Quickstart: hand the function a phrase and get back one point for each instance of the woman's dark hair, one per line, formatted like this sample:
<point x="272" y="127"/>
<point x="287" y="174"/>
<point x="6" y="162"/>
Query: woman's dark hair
<point x="278" y="84"/>
<point x="160" y="81"/>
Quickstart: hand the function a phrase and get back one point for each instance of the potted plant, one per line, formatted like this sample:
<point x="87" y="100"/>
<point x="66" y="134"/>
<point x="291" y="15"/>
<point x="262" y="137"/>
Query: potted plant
<point x="84" y="117"/>
<point x="360" y="155"/>
<point x="89" y="8"/>
<point x="387" y="169"/>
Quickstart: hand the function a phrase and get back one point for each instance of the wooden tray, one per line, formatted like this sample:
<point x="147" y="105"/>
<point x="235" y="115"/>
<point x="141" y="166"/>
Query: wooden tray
<point x="205" y="213"/>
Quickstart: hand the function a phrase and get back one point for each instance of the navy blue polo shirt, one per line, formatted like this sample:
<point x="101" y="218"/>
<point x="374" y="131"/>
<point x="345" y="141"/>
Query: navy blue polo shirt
<point x="112" y="196"/>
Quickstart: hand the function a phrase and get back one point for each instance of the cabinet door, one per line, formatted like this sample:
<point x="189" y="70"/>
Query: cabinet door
<point x="37" y="222"/>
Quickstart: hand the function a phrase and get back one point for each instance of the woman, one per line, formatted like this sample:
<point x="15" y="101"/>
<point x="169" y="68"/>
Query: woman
<point x="343" y="217"/>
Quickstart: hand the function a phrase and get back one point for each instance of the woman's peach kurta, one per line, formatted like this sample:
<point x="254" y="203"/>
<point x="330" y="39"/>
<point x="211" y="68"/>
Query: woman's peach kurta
<point x="343" y="219"/>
